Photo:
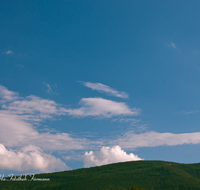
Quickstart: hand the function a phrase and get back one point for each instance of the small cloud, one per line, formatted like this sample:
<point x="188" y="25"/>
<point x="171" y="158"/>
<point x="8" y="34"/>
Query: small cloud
<point x="108" y="155"/>
<point x="132" y="121"/>
<point x="67" y="158"/>
<point x="187" y="112"/>
<point x="105" y="89"/>
<point x="173" y="45"/>
<point x="49" y="88"/>
<point x="153" y="139"/>
<point x="9" y="52"/>
<point x="102" y="108"/>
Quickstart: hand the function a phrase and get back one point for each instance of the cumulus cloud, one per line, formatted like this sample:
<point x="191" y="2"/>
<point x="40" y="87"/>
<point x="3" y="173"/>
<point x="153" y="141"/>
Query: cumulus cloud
<point x="105" y="89"/>
<point x="108" y="155"/>
<point x="102" y="107"/>
<point x="153" y="139"/>
<point x="27" y="158"/>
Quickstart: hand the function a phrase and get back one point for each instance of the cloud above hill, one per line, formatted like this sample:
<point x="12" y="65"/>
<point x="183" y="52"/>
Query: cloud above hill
<point x="108" y="155"/>
<point x="20" y="117"/>
<point x="27" y="158"/>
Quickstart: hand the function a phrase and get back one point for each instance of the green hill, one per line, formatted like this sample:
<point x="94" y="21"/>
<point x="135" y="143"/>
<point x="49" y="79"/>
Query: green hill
<point x="158" y="175"/>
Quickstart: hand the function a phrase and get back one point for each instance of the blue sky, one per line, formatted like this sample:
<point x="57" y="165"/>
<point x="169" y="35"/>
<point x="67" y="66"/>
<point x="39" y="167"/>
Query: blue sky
<point x="120" y="79"/>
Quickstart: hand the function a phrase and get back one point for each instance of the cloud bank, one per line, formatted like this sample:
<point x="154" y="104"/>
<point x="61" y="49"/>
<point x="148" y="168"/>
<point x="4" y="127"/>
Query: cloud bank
<point x="16" y="131"/>
<point x="20" y="116"/>
<point x="108" y="155"/>
<point x="105" y="89"/>
<point x="29" y="157"/>
<point x="153" y="139"/>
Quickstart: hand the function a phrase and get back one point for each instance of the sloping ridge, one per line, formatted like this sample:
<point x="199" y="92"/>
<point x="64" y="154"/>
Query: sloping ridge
<point x="150" y="175"/>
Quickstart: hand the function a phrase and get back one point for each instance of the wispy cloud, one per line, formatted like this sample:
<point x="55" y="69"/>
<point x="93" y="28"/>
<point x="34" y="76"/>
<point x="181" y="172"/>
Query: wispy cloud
<point x="174" y="46"/>
<point x="131" y="121"/>
<point x="135" y="124"/>
<point x="9" y="52"/>
<point x="34" y="108"/>
<point x="183" y="112"/>
<point x="108" y="155"/>
<point x="49" y="88"/>
<point x="103" y="108"/>
<point x="105" y="89"/>
<point x="153" y="139"/>
<point x="19" y="116"/>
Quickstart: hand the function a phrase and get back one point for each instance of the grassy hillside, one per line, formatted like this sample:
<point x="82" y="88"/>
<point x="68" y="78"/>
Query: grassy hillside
<point x="158" y="175"/>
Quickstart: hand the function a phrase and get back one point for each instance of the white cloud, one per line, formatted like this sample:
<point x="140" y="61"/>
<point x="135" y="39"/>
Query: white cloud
<point x="174" y="46"/>
<point x="105" y="89"/>
<point x="29" y="157"/>
<point x="15" y="131"/>
<point x="7" y="95"/>
<point x="35" y="107"/>
<point x="153" y="139"/>
<point x="102" y="107"/>
<point x="9" y="52"/>
<point x="108" y="155"/>
<point x="32" y="108"/>
<point x="18" y="117"/>
<point x="49" y="88"/>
